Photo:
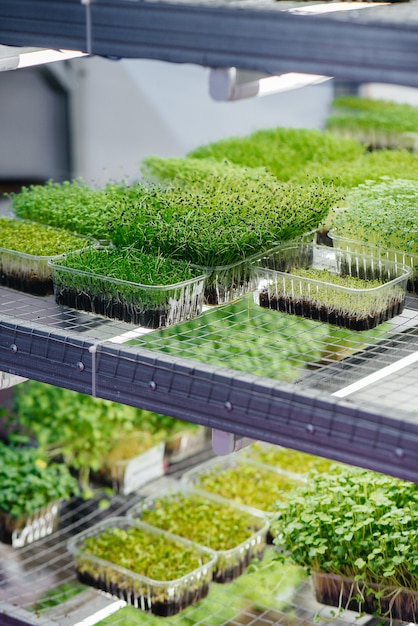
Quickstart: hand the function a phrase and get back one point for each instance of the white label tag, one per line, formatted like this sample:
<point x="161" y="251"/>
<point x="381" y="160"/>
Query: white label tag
<point x="143" y="468"/>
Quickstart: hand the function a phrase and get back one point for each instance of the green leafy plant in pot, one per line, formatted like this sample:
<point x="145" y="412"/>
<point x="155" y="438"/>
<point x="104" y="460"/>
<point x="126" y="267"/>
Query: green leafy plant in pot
<point x="30" y="494"/>
<point x="106" y="431"/>
<point x="52" y="415"/>
<point x="355" y="531"/>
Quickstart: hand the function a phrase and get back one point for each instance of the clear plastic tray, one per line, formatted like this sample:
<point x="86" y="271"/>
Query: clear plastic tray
<point x="293" y="462"/>
<point x="395" y="256"/>
<point x="226" y="283"/>
<point x="151" y="306"/>
<point x="264" y="485"/>
<point x="231" y="562"/>
<point x="128" y="475"/>
<point x="353" y="308"/>
<point x="392" y="604"/>
<point x="185" y="444"/>
<point x="28" y="272"/>
<point x="161" y="597"/>
<point x="22" y="531"/>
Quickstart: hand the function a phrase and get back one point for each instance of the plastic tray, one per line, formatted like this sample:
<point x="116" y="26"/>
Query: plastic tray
<point x="391" y="603"/>
<point x="226" y="283"/>
<point x="265" y="485"/>
<point x="186" y="444"/>
<point x="161" y="597"/>
<point x="395" y="256"/>
<point x="231" y="562"/>
<point x="144" y="305"/>
<point x="285" y="459"/>
<point x="28" y="272"/>
<point x="23" y="531"/>
<point x="128" y="475"/>
<point x="353" y="308"/>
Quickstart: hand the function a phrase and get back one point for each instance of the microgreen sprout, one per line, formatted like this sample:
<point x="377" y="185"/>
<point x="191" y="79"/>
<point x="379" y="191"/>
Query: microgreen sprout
<point x="72" y="205"/>
<point x="359" y="525"/>
<point x="302" y="156"/>
<point x="222" y="222"/>
<point x="29" y="482"/>
<point x="236" y="535"/>
<point x="128" y="284"/>
<point x="376" y="123"/>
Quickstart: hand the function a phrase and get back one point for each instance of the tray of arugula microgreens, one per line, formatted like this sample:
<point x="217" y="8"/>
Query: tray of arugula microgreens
<point x="151" y="569"/>
<point x="129" y="284"/>
<point x="236" y="534"/>
<point x="25" y="249"/>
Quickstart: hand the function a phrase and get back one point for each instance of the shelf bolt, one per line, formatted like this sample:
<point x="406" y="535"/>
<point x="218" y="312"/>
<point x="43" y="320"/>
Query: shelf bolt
<point x="14" y="348"/>
<point x="80" y="366"/>
<point x="228" y="405"/>
<point x="152" y="385"/>
<point x="310" y="428"/>
<point x="400" y="453"/>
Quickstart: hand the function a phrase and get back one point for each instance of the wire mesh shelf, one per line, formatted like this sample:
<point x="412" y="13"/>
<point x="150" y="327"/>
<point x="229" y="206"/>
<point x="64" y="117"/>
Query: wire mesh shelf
<point x="343" y="394"/>
<point x="39" y="582"/>
<point x="237" y="368"/>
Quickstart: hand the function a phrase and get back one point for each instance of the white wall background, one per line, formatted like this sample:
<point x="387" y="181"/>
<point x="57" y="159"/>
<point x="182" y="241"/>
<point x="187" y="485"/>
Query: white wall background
<point x="126" y="110"/>
<point x="396" y="93"/>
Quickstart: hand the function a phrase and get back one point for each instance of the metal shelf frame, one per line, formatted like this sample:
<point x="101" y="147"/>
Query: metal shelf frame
<point x="372" y="44"/>
<point x="54" y="345"/>
<point x="90" y="359"/>
<point x="376" y="43"/>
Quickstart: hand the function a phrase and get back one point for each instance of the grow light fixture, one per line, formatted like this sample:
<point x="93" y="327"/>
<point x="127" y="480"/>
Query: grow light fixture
<point x="225" y="443"/>
<point x="231" y="83"/>
<point x="16" y="57"/>
<point x="393" y="368"/>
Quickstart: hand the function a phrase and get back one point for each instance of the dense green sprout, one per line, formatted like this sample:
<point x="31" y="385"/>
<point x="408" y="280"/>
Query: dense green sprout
<point x="131" y="265"/>
<point x="302" y="156"/>
<point x="29" y="481"/>
<point x="36" y="239"/>
<point x="222" y="222"/>
<point x="354" y="523"/>
<point x="364" y="113"/>
<point x="288" y="153"/>
<point x="384" y="213"/>
<point x="72" y="205"/>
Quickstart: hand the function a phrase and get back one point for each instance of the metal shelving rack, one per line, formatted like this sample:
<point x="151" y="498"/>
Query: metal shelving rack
<point x="356" y="406"/>
<point x="375" y="425"/>
<point x="372" y="44"/>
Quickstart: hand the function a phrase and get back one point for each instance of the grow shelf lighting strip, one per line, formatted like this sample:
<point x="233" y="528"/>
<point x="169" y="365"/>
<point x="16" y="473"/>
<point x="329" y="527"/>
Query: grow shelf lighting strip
<point x="102" y="614"/>
<point x="377" y="376"/>
<point x="333" y="7"/>
<point x="130" y="334"/>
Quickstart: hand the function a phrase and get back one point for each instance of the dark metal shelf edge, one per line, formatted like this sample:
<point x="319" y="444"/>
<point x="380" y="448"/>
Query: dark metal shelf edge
<point x="216" y="397"/>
